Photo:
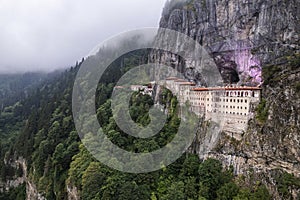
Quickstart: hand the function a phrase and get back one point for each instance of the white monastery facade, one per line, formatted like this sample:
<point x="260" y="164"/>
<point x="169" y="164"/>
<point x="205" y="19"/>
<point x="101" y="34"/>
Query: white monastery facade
<point x="232" y="105"/>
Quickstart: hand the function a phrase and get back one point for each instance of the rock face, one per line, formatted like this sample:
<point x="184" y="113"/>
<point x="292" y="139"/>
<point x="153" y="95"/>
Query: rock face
<point x="240" y="35"/>
<point x="272" y="143"/>
<point x="31" y="189"/>
<point x="73" y="193"/>
<point x="252" y="42"/>
<point x="17" y="179"/>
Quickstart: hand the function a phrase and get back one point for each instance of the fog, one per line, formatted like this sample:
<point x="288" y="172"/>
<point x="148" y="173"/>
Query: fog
<point x="44" y="35"/>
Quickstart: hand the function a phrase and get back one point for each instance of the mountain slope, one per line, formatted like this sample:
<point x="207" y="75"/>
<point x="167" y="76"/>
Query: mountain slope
<point x="49" y="159"/>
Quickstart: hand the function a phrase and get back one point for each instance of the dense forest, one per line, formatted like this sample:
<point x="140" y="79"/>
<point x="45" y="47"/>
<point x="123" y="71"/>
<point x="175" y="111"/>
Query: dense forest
<point x="40" y="129"/>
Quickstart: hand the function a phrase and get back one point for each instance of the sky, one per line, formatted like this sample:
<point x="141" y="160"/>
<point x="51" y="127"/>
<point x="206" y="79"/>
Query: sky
<point x="44" y="35"/>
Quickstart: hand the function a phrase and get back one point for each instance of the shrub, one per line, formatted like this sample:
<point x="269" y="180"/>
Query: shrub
<point x="262" y="111"/>
<point x="269" y="73"/>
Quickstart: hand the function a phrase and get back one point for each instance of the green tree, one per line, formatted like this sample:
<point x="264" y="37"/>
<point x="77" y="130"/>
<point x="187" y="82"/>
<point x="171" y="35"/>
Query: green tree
<point x="210" y="175"/>
<point x="227" y="191"/>
<point x="92" y="181"/>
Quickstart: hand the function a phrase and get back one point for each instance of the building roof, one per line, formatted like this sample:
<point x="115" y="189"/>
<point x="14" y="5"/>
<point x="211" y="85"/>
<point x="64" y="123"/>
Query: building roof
<point x="243" y="88"/>
<point x="187" y="83"/>
<point x="226" y="88"/>
<point x="200" y="89"/>
<point x="172" y="78"/>
<point x="179" y="80"/>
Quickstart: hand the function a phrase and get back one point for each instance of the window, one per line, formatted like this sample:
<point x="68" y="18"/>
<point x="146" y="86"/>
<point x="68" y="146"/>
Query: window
<point x="245" y="101"/>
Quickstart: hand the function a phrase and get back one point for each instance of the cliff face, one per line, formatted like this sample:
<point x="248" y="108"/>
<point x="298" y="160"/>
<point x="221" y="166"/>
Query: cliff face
<point x="271" y="145"/>
<point x="252" y="42"/>
<point x="19" y="179"/>
<point x="240" y="35"/>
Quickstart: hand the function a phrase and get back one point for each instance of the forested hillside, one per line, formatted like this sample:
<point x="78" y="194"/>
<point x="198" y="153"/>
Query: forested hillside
<point x="42" y="156"/>
<point x="52" y="163"/>
<point x="14" y="87"/>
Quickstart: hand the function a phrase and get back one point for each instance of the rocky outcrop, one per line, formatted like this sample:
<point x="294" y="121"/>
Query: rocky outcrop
<point x="17" y="179"/>
<point x="253" y="43"/>
<point x="32" y="192"/>
<point x="240" y="35"/>
<point x="31" y="189"/>
<point x="73" y="193"/>
<point x="272" y="142"/>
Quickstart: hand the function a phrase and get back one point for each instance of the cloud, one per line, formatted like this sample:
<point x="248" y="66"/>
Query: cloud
<point x="50" y="34"/>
